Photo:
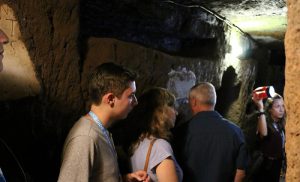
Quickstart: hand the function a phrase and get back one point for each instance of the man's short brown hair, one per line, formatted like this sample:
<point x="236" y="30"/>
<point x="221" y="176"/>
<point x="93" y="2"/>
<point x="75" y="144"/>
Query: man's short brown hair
<point x="109" y="77"/>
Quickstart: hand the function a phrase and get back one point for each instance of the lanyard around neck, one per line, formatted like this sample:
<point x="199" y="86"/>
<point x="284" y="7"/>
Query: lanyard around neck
<point x="280" y="132"/>
<point x="104" y="130"/>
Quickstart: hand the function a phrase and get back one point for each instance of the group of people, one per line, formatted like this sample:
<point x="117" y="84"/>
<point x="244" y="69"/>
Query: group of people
<point x="208" y="147"/>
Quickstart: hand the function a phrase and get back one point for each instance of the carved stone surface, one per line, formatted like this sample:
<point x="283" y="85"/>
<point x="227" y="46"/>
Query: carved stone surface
<point x="161" y="25"/>
<point x="18" y="79"/>
<point x="291" y="91"/>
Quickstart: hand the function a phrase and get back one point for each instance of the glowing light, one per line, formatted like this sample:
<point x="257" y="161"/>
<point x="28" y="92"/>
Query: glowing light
<point x="236" y="47"/>
<point x="262" y="25"/>
<point x="246" y="25"/>
<point x="231" y="60"/>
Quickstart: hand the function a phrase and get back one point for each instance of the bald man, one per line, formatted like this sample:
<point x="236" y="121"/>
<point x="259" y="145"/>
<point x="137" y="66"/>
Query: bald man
<point x="214" y="148"/>
<point x="3" y="40"/>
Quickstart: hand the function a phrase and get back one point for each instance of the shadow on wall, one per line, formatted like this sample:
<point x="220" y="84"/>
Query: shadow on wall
<point x="36" y="151"/>
<point x="228" y="92"/>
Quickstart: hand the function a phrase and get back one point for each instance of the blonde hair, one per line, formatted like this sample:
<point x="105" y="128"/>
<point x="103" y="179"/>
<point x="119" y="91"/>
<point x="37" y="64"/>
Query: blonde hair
<point x="150" y="115"/>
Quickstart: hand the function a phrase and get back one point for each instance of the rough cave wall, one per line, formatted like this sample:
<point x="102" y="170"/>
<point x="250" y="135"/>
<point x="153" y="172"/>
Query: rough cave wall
<point x="152" y="65"/>
<point x="18" y="78"/>
<point x="35" y="127"/>
<point x="291" y="91"/>
<point x="62" y="59"/>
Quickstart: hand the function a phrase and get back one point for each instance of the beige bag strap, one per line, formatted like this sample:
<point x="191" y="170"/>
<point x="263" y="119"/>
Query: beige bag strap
<point x="148" y="154"/>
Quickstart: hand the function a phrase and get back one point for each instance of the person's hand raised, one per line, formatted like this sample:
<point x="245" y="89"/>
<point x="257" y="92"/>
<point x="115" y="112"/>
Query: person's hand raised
<point x="258" y="102"/>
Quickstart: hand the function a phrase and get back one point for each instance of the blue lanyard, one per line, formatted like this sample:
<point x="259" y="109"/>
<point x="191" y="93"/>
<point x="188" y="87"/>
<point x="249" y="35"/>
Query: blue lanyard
<point x="104" y="131"/>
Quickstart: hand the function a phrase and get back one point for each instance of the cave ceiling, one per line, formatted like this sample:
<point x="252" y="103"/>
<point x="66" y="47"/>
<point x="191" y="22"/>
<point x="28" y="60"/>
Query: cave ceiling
<point x="176" y="26"/>
<point x="264" y="20"/>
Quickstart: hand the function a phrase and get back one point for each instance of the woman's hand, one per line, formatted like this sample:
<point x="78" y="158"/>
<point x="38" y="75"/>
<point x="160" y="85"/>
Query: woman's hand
<point x="262" y="123"/>
<point x="258" y="102"/>
<point x="137" y="176"/>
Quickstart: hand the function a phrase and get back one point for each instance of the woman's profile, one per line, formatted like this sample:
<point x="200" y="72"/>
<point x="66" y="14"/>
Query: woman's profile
<point x="271" y="132"/>
<point x="155" y="115"/>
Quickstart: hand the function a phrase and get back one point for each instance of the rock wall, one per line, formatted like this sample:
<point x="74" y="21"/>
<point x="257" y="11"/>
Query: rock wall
<point x="62" y="56"/>
<point x="18" y="79"/>
<point x="35" y="127"/>
<point x="291" y="91"/>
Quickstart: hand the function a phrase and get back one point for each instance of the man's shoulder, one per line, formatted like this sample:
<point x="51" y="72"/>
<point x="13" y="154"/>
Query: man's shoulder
<point x="82" y="127"/>
<point x="233" y="125"/>
<point x="230" y="123"/>
<point x="234" y="129"/>
<point x="204" y="118"/>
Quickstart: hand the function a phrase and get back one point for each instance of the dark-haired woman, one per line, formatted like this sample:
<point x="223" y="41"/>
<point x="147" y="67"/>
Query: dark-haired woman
<point x="271" y="132"/>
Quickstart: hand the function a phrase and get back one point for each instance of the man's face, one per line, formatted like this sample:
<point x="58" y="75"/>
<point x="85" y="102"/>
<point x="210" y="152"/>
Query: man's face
<point x="3" y="40"/>
<point x="126" y="102"/>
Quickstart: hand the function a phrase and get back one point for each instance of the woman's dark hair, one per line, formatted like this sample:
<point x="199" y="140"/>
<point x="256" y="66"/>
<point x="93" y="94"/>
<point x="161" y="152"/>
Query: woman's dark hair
<point x="268" y="106"/>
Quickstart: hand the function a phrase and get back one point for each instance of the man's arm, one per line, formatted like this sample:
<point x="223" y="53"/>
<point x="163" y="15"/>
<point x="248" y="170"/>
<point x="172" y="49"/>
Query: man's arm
<point x="77" y="159"/>
<point x="239" y="175"/>
<point x="242" y="158"/>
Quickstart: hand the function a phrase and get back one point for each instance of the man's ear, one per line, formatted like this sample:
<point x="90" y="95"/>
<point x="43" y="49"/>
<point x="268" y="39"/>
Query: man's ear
<point x="193" y="102"/>
<point x="109" y="98"/>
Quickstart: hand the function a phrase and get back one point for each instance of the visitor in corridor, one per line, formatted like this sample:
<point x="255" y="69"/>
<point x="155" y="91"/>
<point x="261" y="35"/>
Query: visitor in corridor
<point x="3" y="40"/>
<point x="153" y="118"/>
<point x="211" y="148"/>
<point x="89" y="154"/>
<point x="271" y="134"/>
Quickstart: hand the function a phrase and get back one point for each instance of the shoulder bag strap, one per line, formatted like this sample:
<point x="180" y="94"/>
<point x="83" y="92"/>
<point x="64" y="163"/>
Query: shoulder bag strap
<point x="148" y="154"/>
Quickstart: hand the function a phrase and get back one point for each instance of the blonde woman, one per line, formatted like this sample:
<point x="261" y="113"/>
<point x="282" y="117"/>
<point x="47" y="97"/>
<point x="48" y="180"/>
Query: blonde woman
<point x="155" y="115"/>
